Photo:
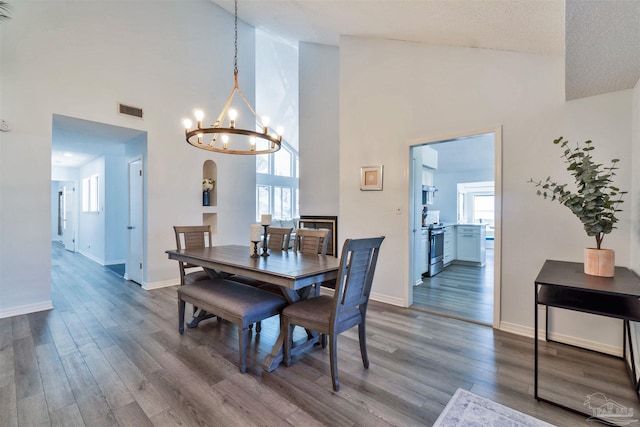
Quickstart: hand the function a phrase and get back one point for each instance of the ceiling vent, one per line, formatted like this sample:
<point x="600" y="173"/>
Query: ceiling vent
<point x="128" y="110"/>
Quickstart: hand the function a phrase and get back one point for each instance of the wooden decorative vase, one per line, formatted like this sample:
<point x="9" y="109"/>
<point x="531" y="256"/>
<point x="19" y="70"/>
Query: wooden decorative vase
<point x="599" y="262"/>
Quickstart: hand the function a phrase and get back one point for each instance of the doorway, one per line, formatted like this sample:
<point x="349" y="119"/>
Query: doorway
<point x="460" y="177"/>
<point x="95" y="218"/>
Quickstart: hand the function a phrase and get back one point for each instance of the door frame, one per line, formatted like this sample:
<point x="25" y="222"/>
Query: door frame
<point x="142" y="221"/>
<point x="497" y="276"/>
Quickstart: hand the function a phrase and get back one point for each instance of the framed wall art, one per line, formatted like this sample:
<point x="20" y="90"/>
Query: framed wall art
<point x="371" y="178"/>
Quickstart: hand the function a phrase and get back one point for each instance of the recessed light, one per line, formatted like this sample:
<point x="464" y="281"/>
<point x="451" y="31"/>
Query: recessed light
<point x="68" y="154"/>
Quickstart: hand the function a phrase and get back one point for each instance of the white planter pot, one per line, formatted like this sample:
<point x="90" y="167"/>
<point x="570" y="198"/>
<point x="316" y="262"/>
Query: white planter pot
<point x="599" y="262"/>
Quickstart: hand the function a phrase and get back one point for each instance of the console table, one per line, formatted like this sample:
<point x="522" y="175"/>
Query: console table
<point x="564" y="285"/>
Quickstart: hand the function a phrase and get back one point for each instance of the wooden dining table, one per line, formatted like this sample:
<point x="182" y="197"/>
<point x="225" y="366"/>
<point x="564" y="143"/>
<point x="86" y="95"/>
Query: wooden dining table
<point x="292" y="271"/>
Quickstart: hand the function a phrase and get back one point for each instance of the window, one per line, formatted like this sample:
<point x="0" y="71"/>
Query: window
<point x="483" y="209"/>
<point x="263" y="202"/>
<point x="90" y="194"/>
<point x="476" y="203"/>
<point x="277" y="184"/>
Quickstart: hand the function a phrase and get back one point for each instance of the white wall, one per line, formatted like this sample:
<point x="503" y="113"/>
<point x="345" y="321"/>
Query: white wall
<point x="393" y="94"/>
<point x="116" y="205"/>
<point x="319" y="131"/>
<point x="80" y="59"/>
<point x="92" y="225"/>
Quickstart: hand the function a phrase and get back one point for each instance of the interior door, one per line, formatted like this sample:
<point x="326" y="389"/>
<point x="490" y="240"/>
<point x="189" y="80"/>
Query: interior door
<point x="415" y="217"/>
<point x="69" y="210"/>
<point x="135" y="256"/>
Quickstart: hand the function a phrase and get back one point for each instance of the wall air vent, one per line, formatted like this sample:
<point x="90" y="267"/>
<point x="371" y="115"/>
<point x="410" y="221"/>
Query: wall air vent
<point x="128" y="110"/>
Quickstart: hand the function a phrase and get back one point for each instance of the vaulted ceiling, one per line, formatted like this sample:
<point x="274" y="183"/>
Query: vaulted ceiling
<point x="600" y="39"/>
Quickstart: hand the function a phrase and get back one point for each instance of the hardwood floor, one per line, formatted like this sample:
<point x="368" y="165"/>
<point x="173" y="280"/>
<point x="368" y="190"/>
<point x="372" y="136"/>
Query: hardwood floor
<point x="459" y="291"/>
<point x="110" y="354"/>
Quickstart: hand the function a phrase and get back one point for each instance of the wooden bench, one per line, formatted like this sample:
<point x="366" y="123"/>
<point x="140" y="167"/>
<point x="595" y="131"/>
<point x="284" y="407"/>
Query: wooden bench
<point x="232" y="301"/>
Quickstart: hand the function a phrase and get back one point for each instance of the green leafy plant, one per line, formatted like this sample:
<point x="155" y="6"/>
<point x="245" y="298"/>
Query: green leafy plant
<point x="596" y="200"/>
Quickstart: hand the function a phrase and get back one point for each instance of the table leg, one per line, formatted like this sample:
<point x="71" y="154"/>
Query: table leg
<point x="198" y="317"/>
<point x="275" y="357"/>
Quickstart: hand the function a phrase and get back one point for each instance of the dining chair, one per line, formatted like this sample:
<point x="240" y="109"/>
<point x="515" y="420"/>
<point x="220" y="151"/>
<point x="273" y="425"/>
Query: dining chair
<point x="312" y="241"/>
<point x="278" y="238"/>
<point x="332" y="315"/>
<point x="192" y="237"/>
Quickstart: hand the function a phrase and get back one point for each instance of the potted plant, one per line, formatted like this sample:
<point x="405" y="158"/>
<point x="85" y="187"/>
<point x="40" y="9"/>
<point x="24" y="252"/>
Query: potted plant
<point x="208" y="185"/>
<point x="595" y="201"/>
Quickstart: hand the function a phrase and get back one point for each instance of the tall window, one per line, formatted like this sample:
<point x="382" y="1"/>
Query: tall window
<point x="277" y="184"/>
<point x="276" y="95"/>
<point x="483" y="209"/>
<point x="476" y="203"/>
<point x="90" y="194"/>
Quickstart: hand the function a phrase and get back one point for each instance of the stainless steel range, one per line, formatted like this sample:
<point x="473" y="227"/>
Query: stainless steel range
<point x="436" y="250"/>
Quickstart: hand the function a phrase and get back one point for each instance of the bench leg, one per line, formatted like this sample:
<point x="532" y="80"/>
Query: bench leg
<point x="243" y="337"/>
<point x="181" y="307"/>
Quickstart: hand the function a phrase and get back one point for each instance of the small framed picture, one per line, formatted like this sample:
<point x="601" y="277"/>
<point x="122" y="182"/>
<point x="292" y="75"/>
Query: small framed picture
<point x="371" y="178"/>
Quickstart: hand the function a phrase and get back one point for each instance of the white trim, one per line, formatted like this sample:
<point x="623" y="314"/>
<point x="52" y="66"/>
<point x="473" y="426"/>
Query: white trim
<point x="26" y="309"/>
<point x="118" y="261"/>
<point x="565" y="339"/>
<point x="162" y="284"/>
<point x="92" y="258"/>
<point x="387" y="299"/>
<point x="497" y="266"/>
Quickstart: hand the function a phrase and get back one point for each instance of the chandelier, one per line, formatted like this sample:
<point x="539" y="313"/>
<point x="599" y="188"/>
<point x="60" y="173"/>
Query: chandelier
<point x="231" y="139"/>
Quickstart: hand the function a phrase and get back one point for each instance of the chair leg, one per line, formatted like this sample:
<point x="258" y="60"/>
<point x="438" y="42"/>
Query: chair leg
<point x="333" y="359"/>
<point x="181" y="308"/>
<point x="258" y="327"/>
<point x="287" y="330"/>
<point x="323" y="340"/>
<point x="243" y="336"/>
<point x="362" y="335"/>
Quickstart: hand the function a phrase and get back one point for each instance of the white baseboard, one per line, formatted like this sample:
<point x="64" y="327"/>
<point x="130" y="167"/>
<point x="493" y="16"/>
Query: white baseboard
<point x="566" y="339"/>
<point x="92" y="258"/>
<point x="26" y="309"/>
<point x="387" y="299"/>
<point x="118" y="261"/>
<point x="162" y="284"/>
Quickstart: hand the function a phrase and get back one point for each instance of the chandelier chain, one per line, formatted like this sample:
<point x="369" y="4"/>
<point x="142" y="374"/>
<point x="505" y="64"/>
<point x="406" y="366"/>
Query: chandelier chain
<point x="235" y="39"/>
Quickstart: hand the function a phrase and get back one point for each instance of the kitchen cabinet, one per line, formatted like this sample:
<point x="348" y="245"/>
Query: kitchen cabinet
<point x="471" y="243"/>
<point x="449" y="253"/>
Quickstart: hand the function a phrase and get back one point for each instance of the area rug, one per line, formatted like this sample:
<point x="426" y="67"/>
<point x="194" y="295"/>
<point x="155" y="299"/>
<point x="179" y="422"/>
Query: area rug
<point x="466" y="409"/>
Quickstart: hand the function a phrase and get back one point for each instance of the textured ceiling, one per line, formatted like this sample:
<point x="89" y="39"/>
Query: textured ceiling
<point x="602" y="36"/>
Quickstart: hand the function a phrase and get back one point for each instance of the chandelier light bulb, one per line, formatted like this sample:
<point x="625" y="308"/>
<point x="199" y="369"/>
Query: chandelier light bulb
<point x="199" y="138"/>
<point x="265" y="124"/>
<point x="187" y="124"/>
<point x="199" y="116"/>
<point x="252" y="141"/>
<point x="225" y="141"/>
<point x="280" y="131"/>
<point x="232" y="118"/>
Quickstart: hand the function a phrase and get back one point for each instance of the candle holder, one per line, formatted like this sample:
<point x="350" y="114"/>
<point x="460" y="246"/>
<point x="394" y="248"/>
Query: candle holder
<point x="255" y="249"/>
<point x="264" y="245"/>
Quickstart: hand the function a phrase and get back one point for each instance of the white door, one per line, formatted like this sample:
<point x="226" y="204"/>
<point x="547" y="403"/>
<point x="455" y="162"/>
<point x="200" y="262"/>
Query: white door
<point x="69" y="211"/>
<point x="415" y="217"/>
<point x="136" y="237"/>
